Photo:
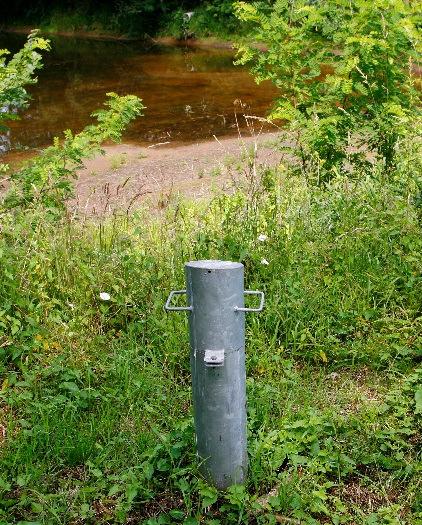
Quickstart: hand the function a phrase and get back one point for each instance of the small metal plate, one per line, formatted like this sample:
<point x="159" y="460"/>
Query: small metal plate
<point x="214" y="358"/>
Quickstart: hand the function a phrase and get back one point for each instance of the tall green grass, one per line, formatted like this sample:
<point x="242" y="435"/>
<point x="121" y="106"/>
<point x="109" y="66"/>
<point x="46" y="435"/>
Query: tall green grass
<point x="95" y="397"/>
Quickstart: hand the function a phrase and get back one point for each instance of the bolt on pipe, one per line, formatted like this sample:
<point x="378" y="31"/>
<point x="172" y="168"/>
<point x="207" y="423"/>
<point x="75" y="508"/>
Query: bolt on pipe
<point x="215" y="298"/>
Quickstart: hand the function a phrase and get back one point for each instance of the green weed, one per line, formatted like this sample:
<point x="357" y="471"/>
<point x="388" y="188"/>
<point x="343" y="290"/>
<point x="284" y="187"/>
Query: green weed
<point x="118" y="160"/>
<point x="96" y="392"/>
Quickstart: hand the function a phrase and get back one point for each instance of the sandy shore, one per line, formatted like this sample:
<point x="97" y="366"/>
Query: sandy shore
<point x="128" y="174"/>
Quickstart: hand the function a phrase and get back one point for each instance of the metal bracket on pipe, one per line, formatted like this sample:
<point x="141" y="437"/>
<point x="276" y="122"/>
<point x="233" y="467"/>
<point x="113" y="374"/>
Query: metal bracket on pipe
<point x="214" y="358"/>
<point x="169" y="308"/>
<point x="261" y="304"/>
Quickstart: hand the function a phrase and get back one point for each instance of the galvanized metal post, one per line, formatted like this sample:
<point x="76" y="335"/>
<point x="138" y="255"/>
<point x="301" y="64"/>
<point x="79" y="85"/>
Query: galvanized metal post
<point x="215" y="291"/>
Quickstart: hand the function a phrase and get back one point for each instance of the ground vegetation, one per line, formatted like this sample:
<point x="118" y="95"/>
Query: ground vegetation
<point x="95" y="418"/>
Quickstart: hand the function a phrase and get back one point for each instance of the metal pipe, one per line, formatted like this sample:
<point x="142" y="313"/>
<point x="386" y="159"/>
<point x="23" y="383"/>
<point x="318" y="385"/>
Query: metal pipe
<point x="215" y="291"/>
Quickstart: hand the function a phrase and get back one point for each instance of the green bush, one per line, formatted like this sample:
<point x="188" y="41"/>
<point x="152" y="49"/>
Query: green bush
<point x="345" y="75"/>
<point x="15" y="74"/>
<point x="47" y="180"/>
<point x="210" y="19"/>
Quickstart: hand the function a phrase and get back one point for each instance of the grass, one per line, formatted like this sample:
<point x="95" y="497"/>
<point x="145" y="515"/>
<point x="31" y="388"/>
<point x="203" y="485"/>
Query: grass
<point x="118" y="160"/>
<point x="95" y="414"/>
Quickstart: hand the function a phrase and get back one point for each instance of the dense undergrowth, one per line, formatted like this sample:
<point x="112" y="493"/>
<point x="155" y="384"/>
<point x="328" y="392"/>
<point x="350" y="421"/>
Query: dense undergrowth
<point x="96" y="396"/>
<point x="95" y="416"/>
<point x="133" y="18"/>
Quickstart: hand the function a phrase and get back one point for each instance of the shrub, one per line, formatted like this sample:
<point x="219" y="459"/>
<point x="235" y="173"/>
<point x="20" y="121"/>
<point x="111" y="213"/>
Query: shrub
<point x="344" y="71"/>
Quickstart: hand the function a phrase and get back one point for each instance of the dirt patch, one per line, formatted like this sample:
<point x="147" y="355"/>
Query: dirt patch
<point x="128" y="175"/>
<point x="354" y="391"/>
<point x="357" y="495"/>
<point x="163" y="503"/>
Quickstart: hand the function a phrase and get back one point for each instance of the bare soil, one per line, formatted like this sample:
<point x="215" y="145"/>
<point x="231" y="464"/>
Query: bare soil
<point x="127" y="175"/>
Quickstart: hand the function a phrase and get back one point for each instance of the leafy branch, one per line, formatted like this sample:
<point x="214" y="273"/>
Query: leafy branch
<point x="47" y="180"/>
<point x="345" y="74"/>
<point x="16" y="73"/>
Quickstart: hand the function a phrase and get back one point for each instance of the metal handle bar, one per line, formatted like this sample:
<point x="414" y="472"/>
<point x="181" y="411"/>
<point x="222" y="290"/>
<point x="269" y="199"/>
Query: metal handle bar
<point x="261" y="304"/>
<point x="169" y="308"/>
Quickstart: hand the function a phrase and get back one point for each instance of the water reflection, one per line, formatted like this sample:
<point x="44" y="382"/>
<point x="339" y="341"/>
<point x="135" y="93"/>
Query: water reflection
<point x="189" y="93"/>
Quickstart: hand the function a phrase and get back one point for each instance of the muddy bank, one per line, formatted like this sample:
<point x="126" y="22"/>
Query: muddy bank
<point x="94" y="35"/>
<point x="208" y="42"/>
<point x="204" y="43"/>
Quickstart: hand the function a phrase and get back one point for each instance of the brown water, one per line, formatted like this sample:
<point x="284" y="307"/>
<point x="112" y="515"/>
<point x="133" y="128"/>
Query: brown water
<point x="190" y="93"/>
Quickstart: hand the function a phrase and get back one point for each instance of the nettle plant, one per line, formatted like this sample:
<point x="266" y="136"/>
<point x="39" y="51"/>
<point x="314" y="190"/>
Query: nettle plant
<point x="344" y="69"/>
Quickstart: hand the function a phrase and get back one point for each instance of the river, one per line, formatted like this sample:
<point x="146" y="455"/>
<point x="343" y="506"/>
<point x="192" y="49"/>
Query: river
<point x="191" y="93"/>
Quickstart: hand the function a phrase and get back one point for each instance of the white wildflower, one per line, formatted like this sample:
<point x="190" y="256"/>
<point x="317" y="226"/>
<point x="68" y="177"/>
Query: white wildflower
<point x="105" y="296"/>
<point x="265" y="262"/>
<point x="262" y="237"/>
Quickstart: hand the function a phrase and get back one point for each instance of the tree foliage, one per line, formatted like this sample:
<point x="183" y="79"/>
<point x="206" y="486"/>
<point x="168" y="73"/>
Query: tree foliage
<point x="135" y="17"/>
<point x="344" y="71"/>
<point x="47" y="180"/>
<point x="15" y="74"/>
